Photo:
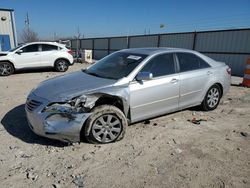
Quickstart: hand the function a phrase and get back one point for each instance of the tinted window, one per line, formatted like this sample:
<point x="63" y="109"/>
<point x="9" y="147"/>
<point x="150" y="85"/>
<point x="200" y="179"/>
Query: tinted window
<point x="161" y="65"/>
<point x="188" y="62"/>
<point x="31" y="48"/>
<point x="48" y="47"/>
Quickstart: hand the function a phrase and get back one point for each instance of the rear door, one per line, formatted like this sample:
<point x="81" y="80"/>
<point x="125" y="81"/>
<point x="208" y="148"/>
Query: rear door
<point x="194" y="76"/>
<point x="4" y="42"/>
<point x="48" y="54"/>
<point x="150" y="98"/>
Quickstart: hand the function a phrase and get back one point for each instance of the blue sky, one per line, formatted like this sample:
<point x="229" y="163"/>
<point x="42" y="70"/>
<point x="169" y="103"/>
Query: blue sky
<point x="98" y="18"/>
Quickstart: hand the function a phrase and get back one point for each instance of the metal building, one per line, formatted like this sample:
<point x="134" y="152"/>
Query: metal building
<point x="8" y="36"/>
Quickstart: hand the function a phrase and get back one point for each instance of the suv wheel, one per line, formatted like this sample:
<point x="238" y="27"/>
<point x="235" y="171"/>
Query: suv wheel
<point x="6" y="69"/>
<point x="106" y="124"/>
<point x="212" y="98"/>
<point x="61" y="65"/>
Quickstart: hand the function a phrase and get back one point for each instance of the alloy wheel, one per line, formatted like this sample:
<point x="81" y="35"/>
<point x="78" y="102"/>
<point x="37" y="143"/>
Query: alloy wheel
<point x="62" y="66"/>
<point x="106" y="128"/>
<point x="213" y="97"/>
<point x="5" y="69"/>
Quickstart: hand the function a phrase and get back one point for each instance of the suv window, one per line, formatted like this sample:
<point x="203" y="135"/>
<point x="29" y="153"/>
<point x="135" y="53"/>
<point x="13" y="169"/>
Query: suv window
<point x="30" y="48"/>
<point x="160" y="65"/>
<point x="188" y="62"/>
<point x="48" y="47"/>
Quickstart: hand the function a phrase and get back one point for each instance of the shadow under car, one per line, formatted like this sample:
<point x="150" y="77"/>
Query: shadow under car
<point x="16" y="124"/>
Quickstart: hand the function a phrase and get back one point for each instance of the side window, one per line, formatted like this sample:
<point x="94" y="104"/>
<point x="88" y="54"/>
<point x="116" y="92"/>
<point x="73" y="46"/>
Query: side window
<point x="48" y="47"/>
<point x="160" y="65"/>
<point x="188" y="62"/>
<point x="30" y="48"/>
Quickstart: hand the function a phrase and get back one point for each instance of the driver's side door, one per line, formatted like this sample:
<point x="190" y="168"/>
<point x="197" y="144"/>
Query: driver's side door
<point x="28" y="56"/>
<point x="159" y="95"/>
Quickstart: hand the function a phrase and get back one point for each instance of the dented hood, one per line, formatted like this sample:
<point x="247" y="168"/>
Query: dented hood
<point x="70" y="85"/>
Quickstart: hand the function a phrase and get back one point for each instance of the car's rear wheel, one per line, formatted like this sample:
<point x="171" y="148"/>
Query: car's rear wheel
<point x="106" y="124"/>
<point x="6" y="69"/>
<point x="61" y="65"/>
<point x="212" y="98"/>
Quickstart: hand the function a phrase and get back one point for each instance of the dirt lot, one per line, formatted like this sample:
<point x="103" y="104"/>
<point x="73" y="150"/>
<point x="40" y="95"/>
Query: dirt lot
<point x="166" y="152"/>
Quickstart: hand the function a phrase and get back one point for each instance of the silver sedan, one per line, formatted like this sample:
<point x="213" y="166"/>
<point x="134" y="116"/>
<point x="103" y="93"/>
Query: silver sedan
<point x="125" y="87"/>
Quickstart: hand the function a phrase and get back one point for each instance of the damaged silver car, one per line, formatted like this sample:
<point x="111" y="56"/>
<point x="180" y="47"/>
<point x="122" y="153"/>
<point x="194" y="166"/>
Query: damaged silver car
<point x="125" y="87"/>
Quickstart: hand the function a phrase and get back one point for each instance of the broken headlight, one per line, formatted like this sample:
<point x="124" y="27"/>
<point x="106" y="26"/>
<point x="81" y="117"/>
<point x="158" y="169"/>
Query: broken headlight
<point x="75" y="105"/>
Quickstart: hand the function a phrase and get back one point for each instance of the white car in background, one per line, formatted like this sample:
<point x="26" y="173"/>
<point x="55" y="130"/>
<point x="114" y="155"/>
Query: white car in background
<point x="34" y="55"/>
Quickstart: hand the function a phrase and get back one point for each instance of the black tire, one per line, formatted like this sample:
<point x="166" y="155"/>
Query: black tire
<point x="212" y="98"/>
<point x="61" y="65"/>
<point x="6" y="69"/>
<point x="114" y="127"/>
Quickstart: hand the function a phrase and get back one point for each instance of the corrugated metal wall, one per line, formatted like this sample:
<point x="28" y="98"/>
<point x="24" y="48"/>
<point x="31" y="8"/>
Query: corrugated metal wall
<point x="118" y="43"/>
<point x="177" y="40"/>
<point x="6" y="26"/>
<point x="227" y="41"/>
<point x="229" y="46"/>
<point x="143" y="41"/>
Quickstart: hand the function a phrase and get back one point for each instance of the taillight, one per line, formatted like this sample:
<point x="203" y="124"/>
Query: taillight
<point x="229" y="71"/>
<point x="70" y="52"/>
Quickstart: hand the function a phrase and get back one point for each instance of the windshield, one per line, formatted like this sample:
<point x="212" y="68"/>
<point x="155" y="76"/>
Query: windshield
<point x="116" y="65"/>
<point x="13" y="49"/>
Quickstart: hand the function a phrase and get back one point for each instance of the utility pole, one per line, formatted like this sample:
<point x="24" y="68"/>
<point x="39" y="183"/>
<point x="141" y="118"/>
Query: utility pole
<point x="78" y="36"/>
<point x="27" y="21"/>
<point x="128" y="34"/>
<point x="54" y="36"/>
<point x="27" y="24"/>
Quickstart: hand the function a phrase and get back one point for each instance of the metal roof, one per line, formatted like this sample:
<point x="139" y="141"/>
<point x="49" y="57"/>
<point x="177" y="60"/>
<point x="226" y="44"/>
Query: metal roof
<point x="5" y="9"/>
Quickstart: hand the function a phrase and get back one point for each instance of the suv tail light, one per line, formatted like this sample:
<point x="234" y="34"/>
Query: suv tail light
<point x="70" y="52"/>
<point x="229" y="71"/>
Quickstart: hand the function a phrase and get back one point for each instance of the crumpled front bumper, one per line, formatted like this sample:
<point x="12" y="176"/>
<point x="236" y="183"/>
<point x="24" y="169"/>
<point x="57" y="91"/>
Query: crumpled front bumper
<point x="63" y="127"/>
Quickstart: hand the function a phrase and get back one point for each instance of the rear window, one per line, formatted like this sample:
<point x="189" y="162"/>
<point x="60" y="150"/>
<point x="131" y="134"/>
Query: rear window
<point x="48" y="47"/>
<point x="189" y="62"/>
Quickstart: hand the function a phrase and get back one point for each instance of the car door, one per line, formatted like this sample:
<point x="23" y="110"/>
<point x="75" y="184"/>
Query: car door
<point x="28" y="56"/>
<point x="48" y="54"/>
<point x="150" y="98"/>
<point x="194" y="76"/>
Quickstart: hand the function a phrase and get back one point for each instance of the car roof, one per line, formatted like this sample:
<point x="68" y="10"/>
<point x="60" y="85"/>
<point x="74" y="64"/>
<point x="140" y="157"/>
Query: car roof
<point x="151" y="51"/>
<point x="41" y="42"/>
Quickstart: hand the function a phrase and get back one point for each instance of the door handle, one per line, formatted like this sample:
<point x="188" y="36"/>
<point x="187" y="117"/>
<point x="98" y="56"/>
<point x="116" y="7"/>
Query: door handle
<point x="174" y="80"/>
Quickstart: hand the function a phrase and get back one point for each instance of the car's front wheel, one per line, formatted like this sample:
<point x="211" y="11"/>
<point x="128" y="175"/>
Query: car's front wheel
<point x="212" y="98"/>
<point x="106" y="124"/>
<point x="6" y="69"/>
<point x="61" y="65"/>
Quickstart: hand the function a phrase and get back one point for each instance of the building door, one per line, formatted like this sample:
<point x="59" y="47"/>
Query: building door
<point x="4" y="42"/>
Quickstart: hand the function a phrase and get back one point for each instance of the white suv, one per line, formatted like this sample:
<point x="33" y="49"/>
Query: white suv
<point x="36" y="54"/>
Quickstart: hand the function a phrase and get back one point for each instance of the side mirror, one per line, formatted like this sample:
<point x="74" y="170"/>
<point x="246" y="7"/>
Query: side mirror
<point x="19" y="52"/>
<point x="144" y="76"/>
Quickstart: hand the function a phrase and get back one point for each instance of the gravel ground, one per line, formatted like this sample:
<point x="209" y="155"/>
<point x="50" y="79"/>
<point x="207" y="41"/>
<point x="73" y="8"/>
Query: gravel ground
<point x="167" y="151"/>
